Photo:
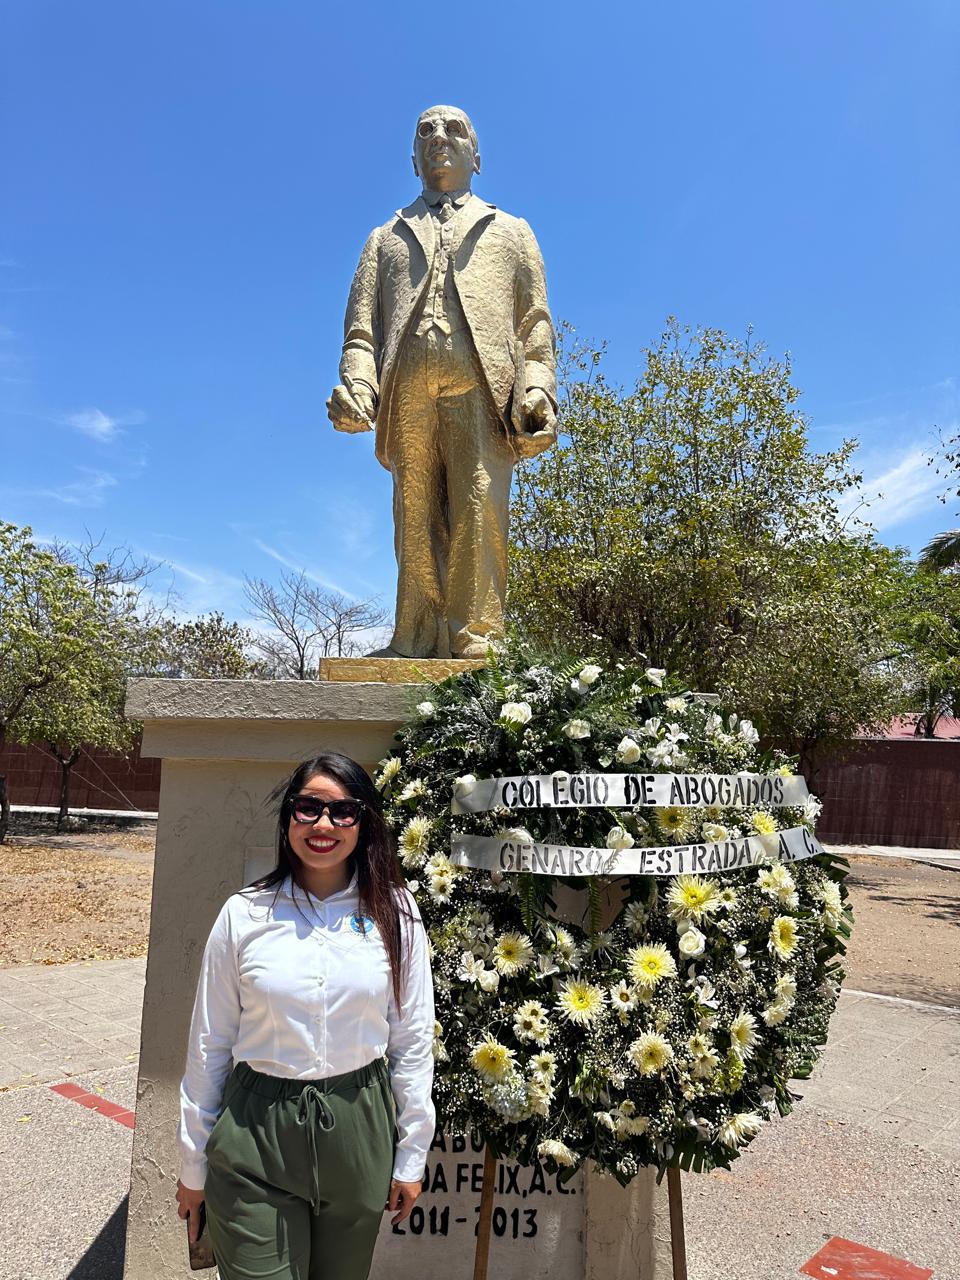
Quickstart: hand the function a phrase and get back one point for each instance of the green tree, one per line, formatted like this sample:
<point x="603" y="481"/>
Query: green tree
<point x="928" y="629"/>
<point x="943" y="550"/>
<point x="49" y="628"/>
<point x="204" y="648"/>
<point x="688" y="520"/>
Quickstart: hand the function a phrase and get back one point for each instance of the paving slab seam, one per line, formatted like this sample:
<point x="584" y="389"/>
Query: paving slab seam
<point x="949" y="1009"/>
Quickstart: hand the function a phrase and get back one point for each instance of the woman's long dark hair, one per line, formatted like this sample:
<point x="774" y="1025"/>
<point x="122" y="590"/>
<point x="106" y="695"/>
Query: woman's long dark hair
<point x="379" y="880"/>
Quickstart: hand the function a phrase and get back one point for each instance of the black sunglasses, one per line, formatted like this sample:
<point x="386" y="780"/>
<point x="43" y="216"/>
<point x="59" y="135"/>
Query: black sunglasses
<point x="308" y="810"/>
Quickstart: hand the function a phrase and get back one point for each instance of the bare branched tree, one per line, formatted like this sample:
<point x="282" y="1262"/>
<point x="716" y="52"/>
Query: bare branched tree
<point x="306" y="623"/>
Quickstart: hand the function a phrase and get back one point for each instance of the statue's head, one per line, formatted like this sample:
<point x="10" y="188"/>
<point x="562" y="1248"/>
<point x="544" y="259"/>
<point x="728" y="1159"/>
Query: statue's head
<point x="445" y="155"/>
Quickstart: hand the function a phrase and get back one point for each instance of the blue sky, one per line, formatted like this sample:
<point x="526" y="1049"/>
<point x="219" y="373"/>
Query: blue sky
<point x="186" y="188"/>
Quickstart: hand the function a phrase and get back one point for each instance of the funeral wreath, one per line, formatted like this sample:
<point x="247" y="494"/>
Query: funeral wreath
<point x="636" y="937"/>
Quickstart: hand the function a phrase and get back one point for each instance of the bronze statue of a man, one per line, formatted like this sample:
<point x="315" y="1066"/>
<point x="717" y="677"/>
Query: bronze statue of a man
<point x="449" y="349"/>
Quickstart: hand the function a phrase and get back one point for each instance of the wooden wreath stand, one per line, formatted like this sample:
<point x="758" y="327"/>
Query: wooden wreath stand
<point x="678" y="1244"/>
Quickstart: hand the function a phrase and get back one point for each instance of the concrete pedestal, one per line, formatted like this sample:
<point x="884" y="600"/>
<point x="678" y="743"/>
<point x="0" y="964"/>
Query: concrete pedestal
<point x="225" y="744"/>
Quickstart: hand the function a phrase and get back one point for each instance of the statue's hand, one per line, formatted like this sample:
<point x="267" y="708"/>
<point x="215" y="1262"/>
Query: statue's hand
<point x="541" y="425"/>
<point x="351" y="410"/>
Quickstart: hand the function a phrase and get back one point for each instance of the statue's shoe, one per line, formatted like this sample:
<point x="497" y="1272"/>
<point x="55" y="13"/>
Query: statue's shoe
<point x="385" y="653"/>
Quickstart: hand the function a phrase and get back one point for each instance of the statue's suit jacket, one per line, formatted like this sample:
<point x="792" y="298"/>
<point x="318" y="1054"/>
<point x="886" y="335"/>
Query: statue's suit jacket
<point x="498" y="275"/>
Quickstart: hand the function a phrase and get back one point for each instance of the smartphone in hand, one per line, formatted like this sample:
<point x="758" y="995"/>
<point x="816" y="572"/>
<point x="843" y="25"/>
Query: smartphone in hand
<point x="201" y="1250"/>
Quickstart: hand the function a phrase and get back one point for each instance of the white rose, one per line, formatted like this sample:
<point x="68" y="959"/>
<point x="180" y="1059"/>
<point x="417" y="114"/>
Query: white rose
<point x="619" y="838"/>
<point x="692" y="943"/>
<point x="515" y="713"/>
<point x="655" y="675"/>
<point x="425" y="708"/>
<point x="489" y="980"/>
<point x="748" y="733"/>
<point x="577" y="728"/>
<point x="713" y="831"/>
<point x="464" y="785"/>
<point x="628" y="751"/>
<point x="590" y="674"/>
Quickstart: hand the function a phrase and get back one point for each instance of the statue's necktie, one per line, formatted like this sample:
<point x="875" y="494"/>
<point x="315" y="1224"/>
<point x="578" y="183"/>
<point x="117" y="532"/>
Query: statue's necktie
<point x="445" y="209"/>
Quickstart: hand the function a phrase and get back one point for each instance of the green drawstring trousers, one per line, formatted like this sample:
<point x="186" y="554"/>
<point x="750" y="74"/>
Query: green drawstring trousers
<point x="299" y="1173"/>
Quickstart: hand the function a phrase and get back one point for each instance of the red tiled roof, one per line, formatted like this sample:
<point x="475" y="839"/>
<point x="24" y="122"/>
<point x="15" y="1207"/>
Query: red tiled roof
<point x="904" y="726"/>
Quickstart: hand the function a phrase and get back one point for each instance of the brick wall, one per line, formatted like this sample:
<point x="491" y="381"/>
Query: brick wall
<point x="100" y="780"/>
<point x="892" y="791"/>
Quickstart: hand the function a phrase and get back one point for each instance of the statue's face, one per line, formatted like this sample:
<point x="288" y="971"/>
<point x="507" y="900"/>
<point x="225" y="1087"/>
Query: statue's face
<point x="444" y="155"/>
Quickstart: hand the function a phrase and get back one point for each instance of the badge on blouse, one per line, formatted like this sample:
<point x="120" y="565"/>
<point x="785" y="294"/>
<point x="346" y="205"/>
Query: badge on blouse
<point x="360" y="924"/>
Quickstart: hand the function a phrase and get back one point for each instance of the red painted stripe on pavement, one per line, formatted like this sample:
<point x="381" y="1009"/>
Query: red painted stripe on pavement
<point x="841" y="1259"/>
<point x="123" y="1115"/>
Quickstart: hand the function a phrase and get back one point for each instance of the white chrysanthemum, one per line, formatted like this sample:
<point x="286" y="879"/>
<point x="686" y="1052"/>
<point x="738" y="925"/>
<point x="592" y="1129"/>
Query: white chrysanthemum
<point x="414" y="840"/>
<point x="740" y="1127"/>
<point x="650" y="1053"/>
<point x="743" y="1034"/>
<point x="580" y="1002"/>
<point x="493" y="1060"/>
<point x="440" y="887"/>
<point x="558" y="1152"/>
<point x="628" y="751"/>
<point x="539" y="1097"/>
<point x="389" y="769"/>
<point x="763" y="823"/>
<point x="619" y="838"/>
<point x="623" y="997"/>
<point x="704" y="1057"/>
<point x="693" y="898"/>
<point x="413" y="790"/>
<point x="676" y="706"/>
<point x="544" y="1065"/>
<point x="513" y="952"/>
<point x="783" y="937"/>
<point x="728" y="898"/>
<point x="577" y="729"/>
<point x="777" y="882"/>
<point x="565" y="947"/>
<point x="650" y="964"/>
<point x="832" y="904"/>
<point x="675" y="823"/>
<point x="635" y="916"/>
<point x="530" y="1023"/>
<point x="627" y="1122"/>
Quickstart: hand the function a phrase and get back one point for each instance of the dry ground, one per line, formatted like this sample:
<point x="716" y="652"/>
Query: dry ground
<point x="86" y="896"/>
<point x="82" y="896"/>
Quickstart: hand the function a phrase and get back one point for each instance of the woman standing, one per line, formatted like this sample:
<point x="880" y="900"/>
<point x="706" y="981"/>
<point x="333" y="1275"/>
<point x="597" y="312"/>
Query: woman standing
<point x="316" y="982"/>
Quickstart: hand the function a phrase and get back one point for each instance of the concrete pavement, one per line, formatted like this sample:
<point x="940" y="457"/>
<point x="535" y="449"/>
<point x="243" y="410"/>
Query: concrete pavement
<point x="871" y="1153"/>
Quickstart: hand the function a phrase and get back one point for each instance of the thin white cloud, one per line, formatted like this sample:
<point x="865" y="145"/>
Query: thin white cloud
<point x="287" y="563"/>
<point x="86" y="492"/>
<point x="100" y="426"/>
<point x="904" y="487"/>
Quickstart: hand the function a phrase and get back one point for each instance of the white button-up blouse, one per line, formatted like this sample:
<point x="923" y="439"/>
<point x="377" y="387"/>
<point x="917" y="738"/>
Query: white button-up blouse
<point x="302" y="989"/>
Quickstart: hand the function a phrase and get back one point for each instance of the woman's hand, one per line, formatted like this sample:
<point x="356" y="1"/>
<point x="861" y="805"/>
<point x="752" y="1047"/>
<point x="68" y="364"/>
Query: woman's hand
<point x="188" y="1206"/>
<point x="403" y="1196"/>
